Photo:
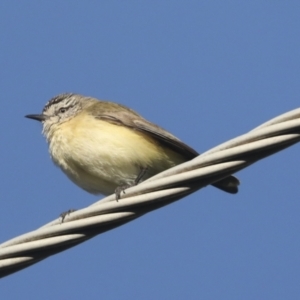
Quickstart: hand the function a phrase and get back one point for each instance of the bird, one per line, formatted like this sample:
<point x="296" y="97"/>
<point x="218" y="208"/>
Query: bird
<point x="105" y="147"/>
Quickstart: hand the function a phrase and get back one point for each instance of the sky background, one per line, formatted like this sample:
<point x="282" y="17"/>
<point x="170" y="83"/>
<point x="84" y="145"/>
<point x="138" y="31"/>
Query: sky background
<point x="207" y="71"/>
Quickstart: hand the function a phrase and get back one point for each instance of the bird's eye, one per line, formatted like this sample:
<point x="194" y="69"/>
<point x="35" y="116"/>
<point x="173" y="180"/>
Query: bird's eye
<point x="62" y="110"/>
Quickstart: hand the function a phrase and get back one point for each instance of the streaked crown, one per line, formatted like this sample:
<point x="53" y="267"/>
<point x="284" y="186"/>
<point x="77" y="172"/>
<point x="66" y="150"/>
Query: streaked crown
<point x="63" y="106"/>
<point x="60" y="109"/>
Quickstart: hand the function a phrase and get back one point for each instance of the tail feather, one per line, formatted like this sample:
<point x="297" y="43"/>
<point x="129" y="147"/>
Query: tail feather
<point x="229" y="184"/>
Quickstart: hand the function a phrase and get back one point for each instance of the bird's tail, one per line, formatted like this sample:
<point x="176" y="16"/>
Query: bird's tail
<point x="229" y="184"/>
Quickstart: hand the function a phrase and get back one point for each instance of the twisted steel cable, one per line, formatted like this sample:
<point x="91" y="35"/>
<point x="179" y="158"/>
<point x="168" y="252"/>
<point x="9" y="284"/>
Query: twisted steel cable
<point x="158" y="191"/>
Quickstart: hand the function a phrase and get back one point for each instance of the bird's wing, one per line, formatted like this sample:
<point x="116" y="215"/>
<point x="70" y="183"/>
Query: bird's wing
<point x="121" y="115"/>
<point x="131" y="119"/>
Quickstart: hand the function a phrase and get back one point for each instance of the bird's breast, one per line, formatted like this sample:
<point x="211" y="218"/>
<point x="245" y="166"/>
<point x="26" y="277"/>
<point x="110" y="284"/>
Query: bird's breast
<point x="100" y="156"/>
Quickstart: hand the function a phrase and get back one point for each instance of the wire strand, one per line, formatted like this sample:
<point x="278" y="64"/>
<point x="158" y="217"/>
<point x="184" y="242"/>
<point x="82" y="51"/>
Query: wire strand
<point x="154" y="193"/>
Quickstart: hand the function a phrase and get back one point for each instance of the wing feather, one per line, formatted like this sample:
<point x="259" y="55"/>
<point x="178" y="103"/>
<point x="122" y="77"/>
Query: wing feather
<point x="120" y="115"/>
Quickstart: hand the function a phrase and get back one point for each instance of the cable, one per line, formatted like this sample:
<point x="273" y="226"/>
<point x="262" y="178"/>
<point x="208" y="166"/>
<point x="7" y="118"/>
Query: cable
<point x="154" y="193"/>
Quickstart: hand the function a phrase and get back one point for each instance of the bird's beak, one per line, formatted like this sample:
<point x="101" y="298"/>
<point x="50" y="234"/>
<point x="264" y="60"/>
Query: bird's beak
<point x="39" y="118"/>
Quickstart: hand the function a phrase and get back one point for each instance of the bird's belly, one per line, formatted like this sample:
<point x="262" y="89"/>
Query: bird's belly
<point x="102" y="156"/>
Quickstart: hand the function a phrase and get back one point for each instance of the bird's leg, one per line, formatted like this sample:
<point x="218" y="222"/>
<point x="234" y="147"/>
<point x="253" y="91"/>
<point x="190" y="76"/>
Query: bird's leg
<point x="122" y="188"/>
<point x="66" y="213"/>
<point x="143" y="171"/>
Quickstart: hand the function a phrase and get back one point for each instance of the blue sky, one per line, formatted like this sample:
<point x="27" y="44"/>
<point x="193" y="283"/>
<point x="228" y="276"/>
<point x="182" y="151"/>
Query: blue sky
<point x="207" y="71"/>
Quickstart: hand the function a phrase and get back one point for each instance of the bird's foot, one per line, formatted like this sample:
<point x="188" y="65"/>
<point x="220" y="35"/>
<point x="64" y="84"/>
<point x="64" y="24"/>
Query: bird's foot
<point x="122" y="188"/>
<point x="66" y="213"/>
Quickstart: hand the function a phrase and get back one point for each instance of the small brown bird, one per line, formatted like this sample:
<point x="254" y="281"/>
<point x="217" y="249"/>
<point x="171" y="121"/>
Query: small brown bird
<point x="103" y="145"/>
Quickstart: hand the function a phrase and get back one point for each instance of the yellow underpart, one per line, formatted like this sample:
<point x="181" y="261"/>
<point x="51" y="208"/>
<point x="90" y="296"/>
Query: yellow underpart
<point x="99" y="156"/>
